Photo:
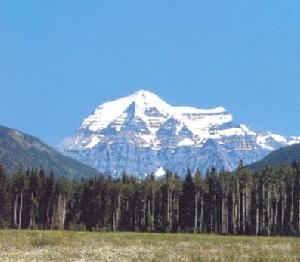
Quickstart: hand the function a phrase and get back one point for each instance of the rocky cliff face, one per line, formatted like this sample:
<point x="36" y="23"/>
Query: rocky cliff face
<point x="141" y="134"/>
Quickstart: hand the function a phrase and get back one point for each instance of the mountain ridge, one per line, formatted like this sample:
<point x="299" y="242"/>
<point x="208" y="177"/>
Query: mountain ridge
<point x="285" y="155"/>
<point x="21" y="151"/>
<point x="141" y="133"/>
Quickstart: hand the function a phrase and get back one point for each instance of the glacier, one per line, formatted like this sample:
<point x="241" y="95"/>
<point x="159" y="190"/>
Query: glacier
<point x="142" y="134"/>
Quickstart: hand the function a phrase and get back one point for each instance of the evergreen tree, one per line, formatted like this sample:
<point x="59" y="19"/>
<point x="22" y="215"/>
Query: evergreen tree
<point x="187" y="204"/>
<point x="3" y="197"/>
<point x="264" y="202"/>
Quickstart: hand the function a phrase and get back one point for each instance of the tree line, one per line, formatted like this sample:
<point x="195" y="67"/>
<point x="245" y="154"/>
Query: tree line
<point x="265" y="202"/>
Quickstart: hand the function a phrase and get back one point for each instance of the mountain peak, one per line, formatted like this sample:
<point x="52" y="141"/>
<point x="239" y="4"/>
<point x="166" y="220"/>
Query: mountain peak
<point x="148" y="99"/>
<point x="106" y="113"/>
<point x="144" y="93"/>
<point x="153" y="111"/>
<point x="141" y="132"/>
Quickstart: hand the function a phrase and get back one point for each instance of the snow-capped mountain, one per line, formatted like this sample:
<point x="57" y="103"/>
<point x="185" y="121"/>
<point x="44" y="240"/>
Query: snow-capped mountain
<point x="142" y="134"/>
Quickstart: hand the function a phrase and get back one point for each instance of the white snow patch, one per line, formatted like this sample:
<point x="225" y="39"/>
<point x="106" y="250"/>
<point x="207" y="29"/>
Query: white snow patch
<point x="278" y="138"/>
<point x="186" y="142"/>
<point x="94" y="141"/>
<point x="294" y="140"/>
<point x="261" y="141"/>
<point x="160" y="172"/>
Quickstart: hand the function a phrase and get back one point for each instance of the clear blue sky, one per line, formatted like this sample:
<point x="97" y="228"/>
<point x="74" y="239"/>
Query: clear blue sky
<point x="59" y="59"/>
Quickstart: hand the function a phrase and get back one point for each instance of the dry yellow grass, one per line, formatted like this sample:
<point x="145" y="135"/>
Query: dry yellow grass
<point x="85" y="246"/>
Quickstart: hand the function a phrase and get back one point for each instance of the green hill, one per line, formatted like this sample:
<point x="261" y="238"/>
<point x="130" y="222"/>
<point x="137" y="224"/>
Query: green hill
<point x="19" y="150"/>
<point x="284" y="155"/>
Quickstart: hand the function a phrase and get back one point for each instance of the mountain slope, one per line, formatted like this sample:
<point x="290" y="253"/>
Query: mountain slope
<point x="21" y="150"/>
<point x="141" y="133"/>
<point x="285" y="155"/>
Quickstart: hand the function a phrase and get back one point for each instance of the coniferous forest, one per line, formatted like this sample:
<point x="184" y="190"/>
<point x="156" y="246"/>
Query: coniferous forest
<point x="265" y="202"/>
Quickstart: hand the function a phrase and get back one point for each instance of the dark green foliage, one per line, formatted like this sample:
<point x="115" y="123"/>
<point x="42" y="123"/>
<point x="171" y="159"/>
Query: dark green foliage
<point x="3" y="196"/>
<point x="90" y="204"/>
<point x="187" y="203"/>
<point x="263" y="202"/>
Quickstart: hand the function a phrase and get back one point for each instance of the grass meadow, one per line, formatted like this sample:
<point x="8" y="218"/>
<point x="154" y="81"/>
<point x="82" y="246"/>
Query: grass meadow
<point x="96" y="246"/>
